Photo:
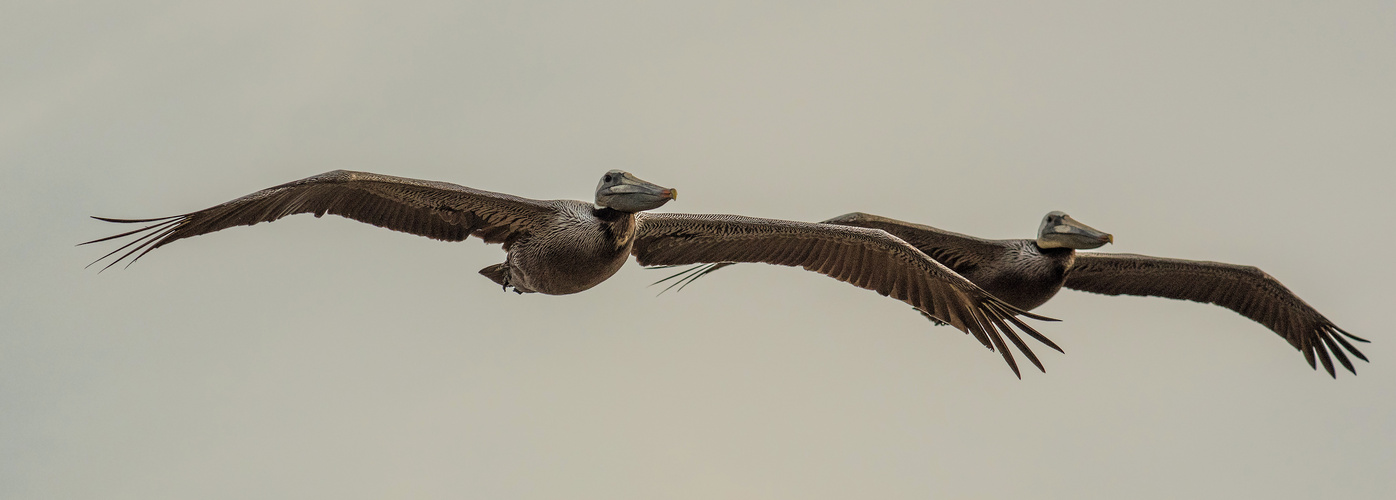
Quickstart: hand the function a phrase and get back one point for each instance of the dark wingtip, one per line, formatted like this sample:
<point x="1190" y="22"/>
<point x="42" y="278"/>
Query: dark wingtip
<point x="1008" y="356"/>
<point x="1338" y="353"/>
<point x="127" y="221"/>
<point x="1031" y="331"/>
<point x="688" y="276"/>
<point x="1351" y="348"/>
<point x="153" y="237"/>
<point x="684" y="277"/>
<point x="1349" y="335"/>
<point x="1036" y="316"/>
<point x="1325" y="359"/>
<point x="133" y="221"/>
<point x="1015" y="311"/>
<point x="1002" y="348"/>
<point x="996" y="315"/>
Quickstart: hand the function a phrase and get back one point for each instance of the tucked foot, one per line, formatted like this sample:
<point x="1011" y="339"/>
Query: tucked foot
<point x="499" y="273"/>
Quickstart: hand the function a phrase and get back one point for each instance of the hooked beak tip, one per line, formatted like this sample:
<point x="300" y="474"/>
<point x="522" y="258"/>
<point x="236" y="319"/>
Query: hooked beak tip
<point x="670" y="193"/>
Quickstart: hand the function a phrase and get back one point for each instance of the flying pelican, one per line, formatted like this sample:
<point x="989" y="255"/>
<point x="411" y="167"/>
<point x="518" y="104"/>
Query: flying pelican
<point x="1027" y="273"/>
<point x="560" y="247"/>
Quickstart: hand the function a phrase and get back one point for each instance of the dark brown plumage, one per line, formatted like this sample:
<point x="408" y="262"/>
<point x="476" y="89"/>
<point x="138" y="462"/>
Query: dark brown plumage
<point x="1024" y="273"/>
<point x="564" y="246"/>
<point x="866" y="258"/>
<point x="437" y="210"/>
<point x="1244" y="289"/>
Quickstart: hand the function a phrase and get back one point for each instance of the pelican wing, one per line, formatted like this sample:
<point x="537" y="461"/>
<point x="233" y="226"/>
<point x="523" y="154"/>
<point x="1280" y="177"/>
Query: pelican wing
<point x="957" y="251"/>
<point x="867" y="258"/>
<point x="1244" y="289"/>
<point x="437" y="210"/>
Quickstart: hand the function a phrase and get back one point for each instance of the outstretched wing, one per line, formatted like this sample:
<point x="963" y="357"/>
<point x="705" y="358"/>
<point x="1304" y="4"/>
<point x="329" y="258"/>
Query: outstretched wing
<point x="867" y="258"/>
<point x="959" y="252"/>
<point x="437" y="210"/>
<point x="1244" y="289"/>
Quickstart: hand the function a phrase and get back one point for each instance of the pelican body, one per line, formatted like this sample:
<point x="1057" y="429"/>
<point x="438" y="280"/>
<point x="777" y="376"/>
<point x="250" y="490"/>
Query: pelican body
<point x="1028" y="272"/>
<point x="555" y="247"/>
<point x="1022" y="272"/>
<point x="581" y="248"/>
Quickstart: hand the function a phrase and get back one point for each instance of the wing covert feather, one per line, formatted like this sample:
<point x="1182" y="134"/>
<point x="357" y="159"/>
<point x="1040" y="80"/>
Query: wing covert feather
<point x="953" y="249"/>
<point x="1244" y="289"/>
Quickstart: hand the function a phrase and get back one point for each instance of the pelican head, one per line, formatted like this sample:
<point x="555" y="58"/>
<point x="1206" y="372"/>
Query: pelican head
<point x="623" y="192"/>
<point x="1059" y="230"/>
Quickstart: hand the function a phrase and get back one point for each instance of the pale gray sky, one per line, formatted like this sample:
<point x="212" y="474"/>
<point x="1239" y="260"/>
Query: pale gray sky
<point x="330" y="359"/>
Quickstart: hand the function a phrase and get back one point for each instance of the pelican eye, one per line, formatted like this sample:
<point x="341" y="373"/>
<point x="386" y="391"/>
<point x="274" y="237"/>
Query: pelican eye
<point x="607" y="178"/>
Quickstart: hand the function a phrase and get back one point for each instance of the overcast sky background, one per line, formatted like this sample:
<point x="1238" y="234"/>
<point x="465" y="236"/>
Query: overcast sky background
<point x="323" y="358"/>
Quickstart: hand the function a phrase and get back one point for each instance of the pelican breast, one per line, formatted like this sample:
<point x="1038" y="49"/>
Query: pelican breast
<point x="1024" y="275"/>
<point x="577" y="249"/>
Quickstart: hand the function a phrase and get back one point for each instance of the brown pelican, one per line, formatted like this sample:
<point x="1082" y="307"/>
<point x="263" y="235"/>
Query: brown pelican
<point x="1027" y="273"/>
<point x="563" y="246"/>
